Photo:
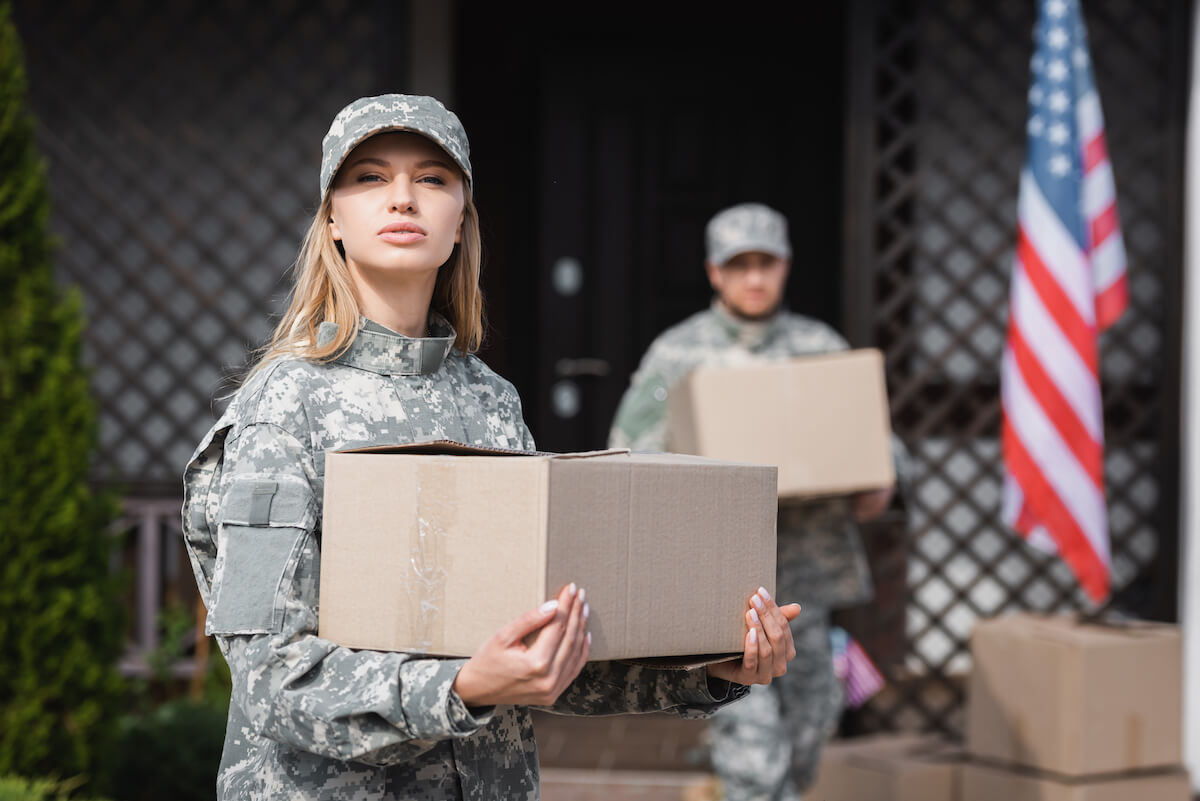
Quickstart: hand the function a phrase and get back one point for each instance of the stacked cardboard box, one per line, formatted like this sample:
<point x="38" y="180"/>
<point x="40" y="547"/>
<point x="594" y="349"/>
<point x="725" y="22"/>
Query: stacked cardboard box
<point x="1064" y="710"/>
<point x="888" y="767"/>
<point x="823" y="420"/>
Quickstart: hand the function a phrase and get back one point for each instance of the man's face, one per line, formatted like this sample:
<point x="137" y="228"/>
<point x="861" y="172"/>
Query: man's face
<point x="750" y="285"/>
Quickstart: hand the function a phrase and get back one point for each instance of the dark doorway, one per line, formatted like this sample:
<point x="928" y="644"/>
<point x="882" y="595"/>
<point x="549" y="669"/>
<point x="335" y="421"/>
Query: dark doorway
<point x="603" y="141"/>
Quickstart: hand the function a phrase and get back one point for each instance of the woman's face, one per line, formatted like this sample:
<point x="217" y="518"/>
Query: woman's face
<point x="397" y="206"/>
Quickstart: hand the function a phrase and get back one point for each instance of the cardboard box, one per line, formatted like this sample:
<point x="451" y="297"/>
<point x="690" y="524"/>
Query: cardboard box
<point x="1051" y="693"/>
<point x="982" y="782"/>
<point x="433" y="548"/>
<point x="888" y="767"/>
<point x="822" y="419"/>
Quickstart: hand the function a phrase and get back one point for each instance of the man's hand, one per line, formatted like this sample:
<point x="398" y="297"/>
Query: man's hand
<point x="872" y="503"/>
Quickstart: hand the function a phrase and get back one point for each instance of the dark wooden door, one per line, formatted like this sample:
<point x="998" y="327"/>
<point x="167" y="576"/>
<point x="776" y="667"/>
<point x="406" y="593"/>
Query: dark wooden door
<point x="641" y="139"/>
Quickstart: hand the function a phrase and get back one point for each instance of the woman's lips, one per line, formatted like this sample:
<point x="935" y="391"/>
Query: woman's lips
<point x="402" y="233"/>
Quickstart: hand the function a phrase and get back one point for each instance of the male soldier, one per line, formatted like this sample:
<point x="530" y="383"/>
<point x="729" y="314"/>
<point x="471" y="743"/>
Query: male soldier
<point x="767" y="745"/>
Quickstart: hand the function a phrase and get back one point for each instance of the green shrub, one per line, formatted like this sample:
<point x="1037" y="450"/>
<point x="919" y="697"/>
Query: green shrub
<point x="13" y="788"/>
<point x="170" y="753"/>
<point x="61" y="619"/>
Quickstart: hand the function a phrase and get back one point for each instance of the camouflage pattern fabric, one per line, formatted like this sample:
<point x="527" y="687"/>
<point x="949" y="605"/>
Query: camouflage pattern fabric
<point x="368" y="116"/>
<point x="821" y="561"/>
<point x="309" y="719"/>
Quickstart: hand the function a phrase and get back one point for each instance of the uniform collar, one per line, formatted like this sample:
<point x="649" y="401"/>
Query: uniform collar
<point x="382" y="350"/>
<point x="748" y="333"/>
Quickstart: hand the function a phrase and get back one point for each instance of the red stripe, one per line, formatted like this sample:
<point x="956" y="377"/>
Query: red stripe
<point x="1104" y="224"/>
<point x="1112" y="302"/>
<point x="1094" y="152"/>
<point x="1073" y="545"/>
<point x="1063" y="415"/>
<point x="1078" y="331"/>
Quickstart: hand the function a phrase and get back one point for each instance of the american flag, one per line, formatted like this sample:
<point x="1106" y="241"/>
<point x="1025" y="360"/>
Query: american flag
<point x="851" y="665"/>
<point x="1068" y="284"/>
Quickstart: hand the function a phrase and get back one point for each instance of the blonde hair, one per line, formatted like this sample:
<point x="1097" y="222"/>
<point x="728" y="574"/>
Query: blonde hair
<point x="324" y="292"/>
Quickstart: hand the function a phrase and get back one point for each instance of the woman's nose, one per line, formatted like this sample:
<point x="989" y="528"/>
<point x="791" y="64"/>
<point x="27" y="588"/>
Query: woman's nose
<point x="401" y="197"/>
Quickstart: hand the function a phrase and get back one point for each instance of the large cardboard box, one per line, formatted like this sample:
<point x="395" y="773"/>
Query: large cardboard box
<point x="982" y="782"/>
<point x="822" y="419"/>
<point x="888" y="767"/>
<point x="433" y="548"/>
<point x="1050" y="692"/>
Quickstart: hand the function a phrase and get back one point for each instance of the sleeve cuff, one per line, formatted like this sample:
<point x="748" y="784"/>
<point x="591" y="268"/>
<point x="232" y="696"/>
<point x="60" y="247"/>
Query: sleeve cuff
<point x="441" y="712"/>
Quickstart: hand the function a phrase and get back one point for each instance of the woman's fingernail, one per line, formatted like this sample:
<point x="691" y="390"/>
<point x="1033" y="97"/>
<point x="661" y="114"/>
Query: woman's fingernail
<point x="589" y="638"/>
<point x="572" y="588"/>
<point x="756" y="601"/>
<point x="754" y="616"/>
<point x="582" y="594"/>
<point x="763" y="592"/>
<point x="586" y="611"/>
<point x="548" y="607"/>
<point x="753" y="635"/>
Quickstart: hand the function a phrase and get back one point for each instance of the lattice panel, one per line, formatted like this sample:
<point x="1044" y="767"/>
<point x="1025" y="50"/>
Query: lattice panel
<point x="950" y="105"/>
<point x="183" y="142"/>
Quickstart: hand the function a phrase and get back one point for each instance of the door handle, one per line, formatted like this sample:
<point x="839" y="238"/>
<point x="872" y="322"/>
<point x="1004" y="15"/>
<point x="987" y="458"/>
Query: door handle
<point x="569" y="368"/>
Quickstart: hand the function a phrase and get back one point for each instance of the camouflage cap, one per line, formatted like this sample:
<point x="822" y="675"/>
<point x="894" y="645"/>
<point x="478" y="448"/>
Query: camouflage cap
<point x="368" y="116"/>
<point x="745" y="228"/>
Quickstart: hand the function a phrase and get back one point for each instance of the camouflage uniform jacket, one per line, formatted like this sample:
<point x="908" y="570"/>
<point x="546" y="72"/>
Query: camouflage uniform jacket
<point x="309" y="719"/>
<point x="821" y="560"/>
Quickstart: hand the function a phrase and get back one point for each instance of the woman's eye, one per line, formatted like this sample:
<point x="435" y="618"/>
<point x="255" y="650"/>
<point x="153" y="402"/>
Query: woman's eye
<point x="432" y="179"/>
<point x="369" y="177"/>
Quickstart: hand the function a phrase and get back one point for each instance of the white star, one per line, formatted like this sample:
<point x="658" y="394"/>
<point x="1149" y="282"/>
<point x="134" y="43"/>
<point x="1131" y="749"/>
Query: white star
<point x="1058" y="134"/>
<point x="1057" y="38"/>
<point x="1079" y="57"/>
<point x="1059" y="101"/>
<point x="1058" y="70"/>
<point x="1056" y="8"/>
<point x="1035" y="95"/>
<point x="1035" y="126"/>
<point x="1060" y="165"/>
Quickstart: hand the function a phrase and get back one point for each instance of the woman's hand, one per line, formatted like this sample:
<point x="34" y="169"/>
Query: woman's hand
<point x="769" y="645"/>
<point x="532" y="659"/>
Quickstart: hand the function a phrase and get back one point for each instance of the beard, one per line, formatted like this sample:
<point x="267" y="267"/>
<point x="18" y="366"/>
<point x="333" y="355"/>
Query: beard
<point x="750" y="317"/>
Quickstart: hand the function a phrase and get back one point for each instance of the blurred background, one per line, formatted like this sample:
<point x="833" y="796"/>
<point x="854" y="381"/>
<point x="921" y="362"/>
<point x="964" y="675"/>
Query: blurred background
<point x="183" y="139"/>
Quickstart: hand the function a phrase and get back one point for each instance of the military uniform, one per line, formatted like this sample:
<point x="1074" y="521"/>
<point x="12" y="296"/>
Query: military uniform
<point x="309" y="719"/>
<point x="821" y="560"/>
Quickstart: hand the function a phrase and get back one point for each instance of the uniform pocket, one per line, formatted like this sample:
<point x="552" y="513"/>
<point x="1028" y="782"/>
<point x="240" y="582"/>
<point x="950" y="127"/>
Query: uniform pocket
<point x="263" y="530"/>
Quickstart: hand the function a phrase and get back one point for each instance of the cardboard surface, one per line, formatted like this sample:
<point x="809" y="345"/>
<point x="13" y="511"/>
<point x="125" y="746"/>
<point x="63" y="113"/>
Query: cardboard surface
<point x="430" y="552"/>
<point x="822" y="419"/>
<point x="1050" y="693"/>
<point x="981" y="782"/>
<point x="888" y="767"/>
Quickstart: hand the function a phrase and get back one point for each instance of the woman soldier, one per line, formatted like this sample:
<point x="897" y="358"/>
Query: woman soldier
<point x="377" y="347"/>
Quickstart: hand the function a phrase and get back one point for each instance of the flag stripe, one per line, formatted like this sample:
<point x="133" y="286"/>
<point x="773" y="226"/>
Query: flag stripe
<point x="1112" y="301"/>
<point x="1074" y="546"/>
<point x="1104" y="224"/>
<point x="1078" y="330"/>
<point x="1074" y="377"/>
<point x="1057" y="463"/>
<point x="1046" y="233"/>
<point x="1073" y="430"/>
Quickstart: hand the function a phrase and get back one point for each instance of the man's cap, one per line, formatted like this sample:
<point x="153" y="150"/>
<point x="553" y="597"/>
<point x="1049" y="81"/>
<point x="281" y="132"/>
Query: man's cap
<point x="368" y="116"/>
<point x="746" y="228"/>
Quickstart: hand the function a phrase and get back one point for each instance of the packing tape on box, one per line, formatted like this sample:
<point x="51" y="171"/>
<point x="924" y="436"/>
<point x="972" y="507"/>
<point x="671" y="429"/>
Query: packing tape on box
<point x="426" y="583"/>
